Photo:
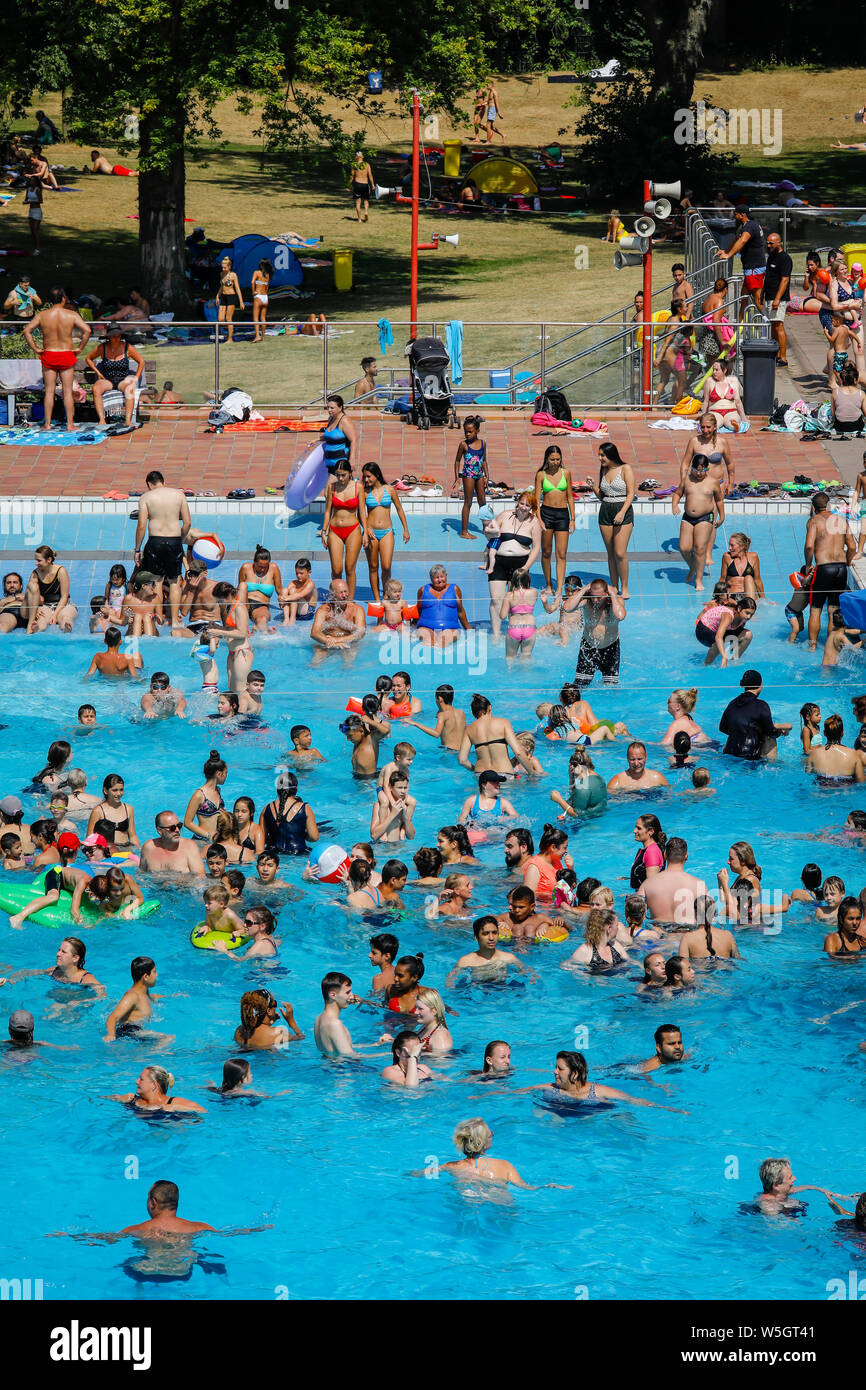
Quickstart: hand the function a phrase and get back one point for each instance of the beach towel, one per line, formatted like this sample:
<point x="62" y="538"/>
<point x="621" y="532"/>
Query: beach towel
<point x="51" y="439"/>
<point x="454" y="348"/>
<point x="386" y="336"/>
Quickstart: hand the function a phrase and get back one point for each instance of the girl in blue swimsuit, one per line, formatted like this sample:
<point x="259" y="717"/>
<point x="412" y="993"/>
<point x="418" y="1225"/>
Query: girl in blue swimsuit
<point x="380" y="530"/>
<point x="470" y="465"/>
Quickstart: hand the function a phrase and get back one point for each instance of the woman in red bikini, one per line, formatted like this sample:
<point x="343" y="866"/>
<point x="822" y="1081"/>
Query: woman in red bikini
<point x="344" y="529"/>
<point x="722" y="397"/>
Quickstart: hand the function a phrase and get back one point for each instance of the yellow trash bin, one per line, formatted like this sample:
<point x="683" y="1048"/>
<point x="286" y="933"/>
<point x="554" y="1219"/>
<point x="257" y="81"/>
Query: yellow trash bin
<point x="853" y="252"/>
<point x="343" y="270"/>
<point x="451" y="167"/>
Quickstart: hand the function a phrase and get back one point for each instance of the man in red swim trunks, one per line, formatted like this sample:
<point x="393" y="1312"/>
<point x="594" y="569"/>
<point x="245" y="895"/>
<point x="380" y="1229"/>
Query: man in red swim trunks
<point x="57" y="323"/>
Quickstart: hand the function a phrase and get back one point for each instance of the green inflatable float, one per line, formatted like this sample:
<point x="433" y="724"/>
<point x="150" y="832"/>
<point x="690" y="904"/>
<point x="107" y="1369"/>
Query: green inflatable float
<point x="14" y="897"/>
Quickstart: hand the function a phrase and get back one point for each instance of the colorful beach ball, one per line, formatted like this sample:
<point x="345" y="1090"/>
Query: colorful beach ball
<point x="330" y="860"/>
<point x="210" y="549"/>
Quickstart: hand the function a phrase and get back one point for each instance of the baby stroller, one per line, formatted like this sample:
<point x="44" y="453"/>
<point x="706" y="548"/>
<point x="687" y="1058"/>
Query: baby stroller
<point x="431" y="390"/>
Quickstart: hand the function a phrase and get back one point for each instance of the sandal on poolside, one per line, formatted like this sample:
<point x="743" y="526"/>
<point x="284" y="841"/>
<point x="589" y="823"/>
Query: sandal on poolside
<point x="410" y="480"/>
<point x="273" y="491"/>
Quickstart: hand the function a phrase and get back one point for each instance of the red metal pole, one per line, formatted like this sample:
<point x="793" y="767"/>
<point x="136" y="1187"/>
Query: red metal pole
<point x="416" y="186"/>
<point x="647" y="358"/>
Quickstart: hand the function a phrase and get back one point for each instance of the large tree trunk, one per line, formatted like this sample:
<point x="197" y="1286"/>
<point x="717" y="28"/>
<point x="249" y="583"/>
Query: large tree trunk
<point x="161" y="209"/>
<point x="677" y="30"/>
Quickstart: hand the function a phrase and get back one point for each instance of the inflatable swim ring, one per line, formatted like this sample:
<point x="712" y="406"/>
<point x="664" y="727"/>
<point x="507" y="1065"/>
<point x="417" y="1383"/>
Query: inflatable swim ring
<point x="202" y="937"/>
<point x="307" y="479"/>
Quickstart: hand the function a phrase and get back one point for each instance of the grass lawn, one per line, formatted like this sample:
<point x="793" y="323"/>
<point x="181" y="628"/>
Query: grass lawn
<point x="514" y="270"/>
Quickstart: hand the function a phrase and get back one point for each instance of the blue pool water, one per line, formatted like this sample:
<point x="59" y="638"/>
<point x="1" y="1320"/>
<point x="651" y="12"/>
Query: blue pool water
<point x="653" y="1207"/>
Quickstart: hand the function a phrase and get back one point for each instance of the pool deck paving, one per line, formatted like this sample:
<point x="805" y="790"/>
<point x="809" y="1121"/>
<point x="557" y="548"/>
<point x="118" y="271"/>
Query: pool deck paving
<point x="189" y="457"/>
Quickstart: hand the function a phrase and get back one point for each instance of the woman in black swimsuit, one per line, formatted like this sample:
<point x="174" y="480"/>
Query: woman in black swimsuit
<point x="47" y="594"/>
<point x="118" y="367"/>
<point x="493" y="740"/>
<point x="288" y="823"/>
<point x="250" y="836"/>
<point x="113" y="809"/>
<point x="229" y="297"/>
<point x="518" y="533"/>
<point x="741" y="568"/>
<point x="151" y="1090"/>
<point x="717" y="451"/>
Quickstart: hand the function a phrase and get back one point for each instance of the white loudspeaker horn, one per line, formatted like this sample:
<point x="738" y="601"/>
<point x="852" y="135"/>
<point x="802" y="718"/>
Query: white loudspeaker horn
<point x="640" y="243"/>
<point x="658" y="207"/>
<point x="666" y="190"/>
<point x="383" y="192"/>
<point x="621" y="259"/>
<point x="452" y="240"/>
<point x="644" y="226"/>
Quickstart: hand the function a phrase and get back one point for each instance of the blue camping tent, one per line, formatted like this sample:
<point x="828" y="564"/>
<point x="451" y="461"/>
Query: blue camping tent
<point x="245" y="253"/>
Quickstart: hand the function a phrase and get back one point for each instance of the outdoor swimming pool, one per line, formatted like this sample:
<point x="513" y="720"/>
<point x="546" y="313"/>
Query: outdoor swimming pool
<point x="654" y="1204"/>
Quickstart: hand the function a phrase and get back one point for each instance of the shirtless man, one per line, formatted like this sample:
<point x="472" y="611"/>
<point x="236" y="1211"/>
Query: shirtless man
<point x="777" y="1186"/>
<point x="162" y="1201"/>
<point x="366" y="387"/>
<point x="486" y="954"/>
<point x="57" y="323"/>
<point x="830" y="547"/>
<point x="450" y="723"/>
<point x="637" y="777"/>
<point x="339" y="622"/>
<point x="669" y="1048"/>
<point x="162" y="700"/>
<point x="704" y="508"/>
<point x="332" y="1036"/>
<point x="250" y="701"/>
<point x="681" y="290"/>
<point x="164" y="513"/>
<point x="167" y="852"/>
<point x="671" y="894"/>
<point x="135" y="1005"/>
<point x="522" y="923"/>
<point x="112" y="663"/>
<point x="365" y="733"/>
<point x="198" y="607"/>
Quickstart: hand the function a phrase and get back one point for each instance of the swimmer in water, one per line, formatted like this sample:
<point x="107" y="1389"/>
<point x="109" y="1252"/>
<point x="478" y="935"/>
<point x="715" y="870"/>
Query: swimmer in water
<point x="453" y="900"/>
<point x="778" y="1187"/>
<point x="258" y="926"/>
<point x="258" y="1028"/>
<point x="151" y="1093"/>
<point x="250" y="699"/>
<point x="401" y="995"/>
<point x="472" y="1139"/>
<point x="654" y="974"/>
<point x="679" y="973"/>
<point x="450" y="723"/>
<point x="497" y="1058"/>
<point x="365" y="732"/>
<point x="135" y="1006"/>
<point x="383" y="953"/>
<point x="669" y="1048"/>
<point x="113" y="664"/>
<point x="333" y="1038"/>
<point x="570" y="1078"/>
<point x="637" y="776"/>
<point x="406" y="1068"/>
<point x="302" y="746"/>
<point x="487" y="957"/>
<point x="67" y="970"/>
<point x="162" y="700"/>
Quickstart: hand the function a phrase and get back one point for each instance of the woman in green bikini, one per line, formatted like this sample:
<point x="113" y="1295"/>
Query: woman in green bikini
<point x="555" y="497"/>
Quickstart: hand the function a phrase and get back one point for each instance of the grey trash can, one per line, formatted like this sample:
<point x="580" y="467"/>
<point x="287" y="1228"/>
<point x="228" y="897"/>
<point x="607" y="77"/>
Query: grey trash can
<point x="759" y="375"/>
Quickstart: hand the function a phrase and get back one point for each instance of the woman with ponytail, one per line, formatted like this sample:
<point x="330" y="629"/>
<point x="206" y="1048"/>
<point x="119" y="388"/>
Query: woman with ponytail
<point x="706" y="940"/>
<point x="288" y="822"/>
<point x="151" y="1093"/>
<point x="206" y="802"/>
<point x="650" y="857"/>
<point x="264" y="581"/>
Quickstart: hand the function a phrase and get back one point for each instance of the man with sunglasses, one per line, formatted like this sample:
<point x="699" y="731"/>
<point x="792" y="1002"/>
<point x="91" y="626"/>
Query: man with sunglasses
<point x="167" y="852"/>
<point x="163" y="699"/>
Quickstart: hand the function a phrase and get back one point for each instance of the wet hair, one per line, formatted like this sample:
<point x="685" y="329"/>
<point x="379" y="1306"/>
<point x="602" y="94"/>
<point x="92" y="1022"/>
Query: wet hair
<point x="141" y="966"/>
<point x="602" y="896"/>
<point x="154" y="477"/>
<point x="858" y="704"/>
<point x="458" y="835"/>
<point x="520" y="579"/>
<point x="481" y="922"/>
<point x="744" y="852"/>
<point x="676" y="850"/>
<point x="445" y="693"/>
<point x="860" y="1212"/>
<point x="845" y="906"/>
<point x="44" y="829"/>
<point x="479" y="705"/>
<point x="262" y="553"/>
<point x="489" y="1049"/>
<point x="428" y="862"/>
<point x="246" y="801"/>
<point x="366" y="849"/>
<point x="598" y="920"/>
<point x="810" y="877"/>
<point x="772" y="1171"/>
<point x="83" y="709"/>
<point x="164" y="1195"/>
<point x="700" y="777"/>
<point x="233" y="878"/>
<point x="386" y="943"/>
<point x="585" y="889"/>
<point x="359" y="874"/>
<point x="552" y="838"/>
<point x="58" y="755"/>
<point x="558" y="719"/>
<point x="635" y="910"/>
<point x="164" y="1079"/>
<point x="682" y="743"/>
<point x="78" y="947"/>
<point x="809" y="711"/>
<point x="256" y="1004"/>
<point x="834" y="729"/>
<point x="834" y="881"/>
<point x="674" y="969"/>
<point x="236" y="1070"/>
<point x="576" y="1063"/>
<point x="414" y="963"/>
<point x="334" y="979"/>
<point x="216" y="893"/>
<point x="653" y="825"/>
<point x="433" y="999"/>
<point x="401" y="749"/>
<point x="687" y="699"/>
<point x="9" y="841"/>
<point x="857" y="819"/>
<point x="523" y="836"/>
<point x="400" y="1042"/>
<point x="264" y="917"/>
<point x="473" y="1137"/>
<point x="705" y="915"/>
<point x="215" y="852"/>
<point x="297" y="729"/>
<point x="106" y="828"/>
<point x="270" y="854"/>
<point x="394" y="868"/>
